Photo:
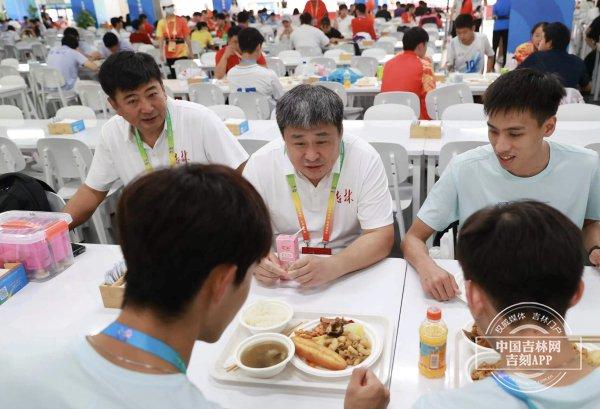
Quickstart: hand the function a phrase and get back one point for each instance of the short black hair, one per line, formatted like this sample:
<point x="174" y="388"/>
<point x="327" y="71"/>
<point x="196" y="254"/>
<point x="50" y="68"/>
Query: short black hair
<point x="70" y="41"/>
<point x="220" y="16"/>
<point x="524" y="90"/>
<point x="296" y="11"/>
<point x="142" y="17"/>
<point x="559" y="34"/>
<point x="360" y="7"/>
<point x="114" y="21"/>
<point x="343" y="7"/>
<point x="305" y="18"/>
<point x="110" y="39"/>
<point x="464" y="21"/>
<point x="243" y="17"/>
<point x="233" y="31"/>
<point x="410" y="6"/>
<point x="384" y="6"/>
<point x="201" y="24"/>
<point x="523" y="251"/>
<point x="325" y="22"/>
<point x="135" y="24"/>
<point x="212" y="217"/>
<point x="249" y="39"/>
<point x="538" y="25"/>
<point x="70" y="31"/>
<point x="10" y="28"/>
<point x="126" y="71"/>
<point x="197" y="14"/>
<point x="413" y="37"/>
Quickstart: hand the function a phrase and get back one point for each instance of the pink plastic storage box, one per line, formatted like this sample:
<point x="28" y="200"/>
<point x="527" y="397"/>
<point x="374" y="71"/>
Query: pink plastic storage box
<point x="39" y="240"/>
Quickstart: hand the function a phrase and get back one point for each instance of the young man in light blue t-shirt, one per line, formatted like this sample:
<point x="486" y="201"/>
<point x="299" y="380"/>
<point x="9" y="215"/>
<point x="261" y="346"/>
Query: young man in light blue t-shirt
<point x="519" y="163"/>
<point x="504" y="252"/>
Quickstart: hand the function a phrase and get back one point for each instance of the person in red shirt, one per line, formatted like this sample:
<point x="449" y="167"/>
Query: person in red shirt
<point x="467" y="7"/>
<point x="411" y="71"/>
<point x="148" y="28"/>
<point x="139" y="35"/>
<point x="230" y="55"/>
<point x="408" y="17"/>
<point x="317" y="9"/>
<point x="431" y="17"/>
<point x="222" y="27"/>
<point x="362" y="24"/>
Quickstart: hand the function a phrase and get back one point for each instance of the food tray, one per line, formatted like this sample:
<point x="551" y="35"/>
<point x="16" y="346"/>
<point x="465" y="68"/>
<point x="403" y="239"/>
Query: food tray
<point x="294" y="378"/>
<point x="462" y="353"/>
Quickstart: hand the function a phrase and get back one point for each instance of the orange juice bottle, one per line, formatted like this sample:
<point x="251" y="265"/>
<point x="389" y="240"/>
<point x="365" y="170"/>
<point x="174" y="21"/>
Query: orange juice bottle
<point x="433" y="334"/>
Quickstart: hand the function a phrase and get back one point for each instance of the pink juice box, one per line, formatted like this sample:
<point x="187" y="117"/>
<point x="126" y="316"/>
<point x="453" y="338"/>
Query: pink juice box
<point x="288" y="249"/>
<point x="39" y="240"/>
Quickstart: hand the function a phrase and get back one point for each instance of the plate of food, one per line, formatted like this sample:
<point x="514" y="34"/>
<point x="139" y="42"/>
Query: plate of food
<point x="332" y="347"/>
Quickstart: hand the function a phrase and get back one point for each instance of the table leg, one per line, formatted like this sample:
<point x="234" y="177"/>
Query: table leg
<point x="25" y="103"/>
<point x="416" y="187"/>
<point x="431" y="161"/>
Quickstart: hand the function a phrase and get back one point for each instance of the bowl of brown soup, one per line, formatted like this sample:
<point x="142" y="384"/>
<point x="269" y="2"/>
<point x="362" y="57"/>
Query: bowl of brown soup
<point x="264" y="355"/>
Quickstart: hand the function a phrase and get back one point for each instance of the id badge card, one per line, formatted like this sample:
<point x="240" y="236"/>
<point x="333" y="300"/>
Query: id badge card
<point x="171" y="45"/>
<point x="322" y="251"/>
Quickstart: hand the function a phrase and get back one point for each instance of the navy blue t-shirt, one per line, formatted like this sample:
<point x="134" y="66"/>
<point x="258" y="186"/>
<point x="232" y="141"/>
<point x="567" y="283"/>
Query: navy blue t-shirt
<point x="568" y="67"/>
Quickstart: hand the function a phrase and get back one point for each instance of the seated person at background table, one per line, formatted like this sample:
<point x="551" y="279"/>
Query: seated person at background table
<point x="308" y="36"/>
<point x="230" y="55"/>
<point x="554" y="58"/>
<point x="526" y="49"/>
<point x="67" y="60"/>
<point x="467" y="50"/>
<point x="519" y="163"/>
<point x="399" y="10"/>
<point x="202" y="36"/>
<point x="522" y="252"/>
<point x="331" y="33"/>
<point x="139" y="35"/>
<point x="211" y="255"/>
<point x="384" y="13"/>
<point x="221" y="25"/>
<point x="411" y="70"/>
<point x="149" y="131"/>
<point x="113" y="45"/>
<point x="343" y="21"/>
<point x="297" y="176"/>
<point x="243" y="19"/>
<point x="431" y="17"/>
<point x="361" y="23"/>
<point x="285" y="32"/>
<point x="10" y="36"/>
<point x="248" y="76"/>
<point x="117" y="26"/>
<point x="84" y="48"/>
<point x="408" y="17"/>
<point x="148" y="28"/>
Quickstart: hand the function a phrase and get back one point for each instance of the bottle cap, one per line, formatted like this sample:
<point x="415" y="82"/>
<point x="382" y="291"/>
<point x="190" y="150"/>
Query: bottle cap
<point x="434" y="313"/>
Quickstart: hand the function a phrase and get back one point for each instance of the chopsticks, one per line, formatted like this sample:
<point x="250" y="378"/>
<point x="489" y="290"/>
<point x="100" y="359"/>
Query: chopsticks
<point x="592" y="339"/>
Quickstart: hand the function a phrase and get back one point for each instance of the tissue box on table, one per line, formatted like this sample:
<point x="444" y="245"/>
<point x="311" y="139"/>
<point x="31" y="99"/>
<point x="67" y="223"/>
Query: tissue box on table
<point x="66" y="126"/>
<point x="237" y="126"/>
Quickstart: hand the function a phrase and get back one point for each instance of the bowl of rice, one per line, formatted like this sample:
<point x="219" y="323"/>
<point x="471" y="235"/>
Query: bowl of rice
<point x="266" y="315"/>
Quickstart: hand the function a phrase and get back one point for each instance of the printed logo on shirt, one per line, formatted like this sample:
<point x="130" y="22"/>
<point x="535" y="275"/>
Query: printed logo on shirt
<point x="182" y="158"/>
<point x="472" y="66"/>
<point x="345" y="197"/>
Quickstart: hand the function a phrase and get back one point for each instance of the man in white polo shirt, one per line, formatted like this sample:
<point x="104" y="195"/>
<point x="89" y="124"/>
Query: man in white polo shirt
<point x="150" y="131"/>
<point x="333" y="185"/>
<point x="248" y="76"/>
<point x="308" y="36"/>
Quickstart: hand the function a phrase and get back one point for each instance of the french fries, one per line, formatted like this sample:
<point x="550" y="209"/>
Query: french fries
<point x="318" y="354"/>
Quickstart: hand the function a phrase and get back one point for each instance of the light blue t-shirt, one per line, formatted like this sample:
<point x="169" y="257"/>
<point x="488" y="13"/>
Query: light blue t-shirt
<point x="475" y="179"/>
<point x="584" y="394"/>
<point x="67" y="61"/>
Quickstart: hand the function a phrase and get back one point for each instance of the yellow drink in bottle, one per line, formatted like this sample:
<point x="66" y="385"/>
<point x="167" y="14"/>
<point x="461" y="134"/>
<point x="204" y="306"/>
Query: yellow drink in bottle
<point x="433" y="334"/>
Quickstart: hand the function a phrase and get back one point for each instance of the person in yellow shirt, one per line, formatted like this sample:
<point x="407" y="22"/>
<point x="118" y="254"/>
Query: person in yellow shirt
<point x="202" y="36"/>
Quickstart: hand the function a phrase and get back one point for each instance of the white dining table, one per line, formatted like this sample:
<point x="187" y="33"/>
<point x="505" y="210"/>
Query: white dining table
<point x="577" y="133"/>
<point x="406" y="380"/>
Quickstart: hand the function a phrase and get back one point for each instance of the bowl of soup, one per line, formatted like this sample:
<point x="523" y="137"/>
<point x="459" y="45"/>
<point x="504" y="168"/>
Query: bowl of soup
<point x="264" y="355"/>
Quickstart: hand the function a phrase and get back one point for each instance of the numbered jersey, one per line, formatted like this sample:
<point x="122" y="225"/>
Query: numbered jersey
<point x="469" y="58"/>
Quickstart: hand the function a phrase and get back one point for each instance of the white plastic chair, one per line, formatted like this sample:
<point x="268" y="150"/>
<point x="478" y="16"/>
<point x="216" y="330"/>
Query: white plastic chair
<point x="276" y="65"/>
<point x="451" y="149"/>
<point x="578" y="112"/>
<point x="594" y="147"/>
<point x="441" y="98"/>
<point x="18" y="80"/>
<point x="39" y="51"/>
<point x="197" y="49"/>
<point x="400" y="97"/>
<point x="206" y="94"/>
<point x="181" y="65"/>
<point x="92" y="95"/>
<point x="397" y="168"/>
<point x="10" y="62"/>
<point x="364" y="35"/>
<point x="377" y="53"/>
<point x="10" y="112"/>
<point x="385" y="45"/>
<point x="387" y="39"/>
<point x="6" y="70"/>
<point x="66" y="164"/>
<point x="346" y="47"/>
<point x="255" y="105"/>
<point x="464" y="112"/>
<point x="146" y="48"/>
<point x="228" y="111"/>
<point x="209" y="59"/>
<point x="50" y="82"/>
<point x="349" y="112"/>
<point x="397" y="35"/>
<point x="252" y="145"/>
<point x="366" y="65"/>
<point x="290" y="57"/>
<point x="389" y="112"/>
<point x="327" y="62"/>
<point x="309" y="51"/>
<point x="11" y="158"/>
<point x="335" y="53"/>
<point x="75" y="112"/>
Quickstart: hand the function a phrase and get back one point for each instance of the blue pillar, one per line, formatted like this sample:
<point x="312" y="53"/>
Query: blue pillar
<point x="16" y="9"/>
<point x="137" y="7"/>
<point x="221" y="5"/>
<point x="80" y="5"/>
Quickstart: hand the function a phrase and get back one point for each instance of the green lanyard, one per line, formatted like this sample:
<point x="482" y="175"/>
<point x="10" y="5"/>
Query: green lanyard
<point x="170" y="142"/>
<point x="291" y="179"/>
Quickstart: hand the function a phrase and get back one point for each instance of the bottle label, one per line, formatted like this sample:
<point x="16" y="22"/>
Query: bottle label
<point x="432" y="357"/>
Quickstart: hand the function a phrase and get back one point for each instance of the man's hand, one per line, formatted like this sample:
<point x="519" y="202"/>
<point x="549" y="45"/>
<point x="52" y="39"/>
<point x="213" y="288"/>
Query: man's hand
<point x="269" y="272"/>
<point x="595" y="258"/>
<point x="365" y="391"/>
<point x="312" y="271"/>
<point x="439" y="284"/>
